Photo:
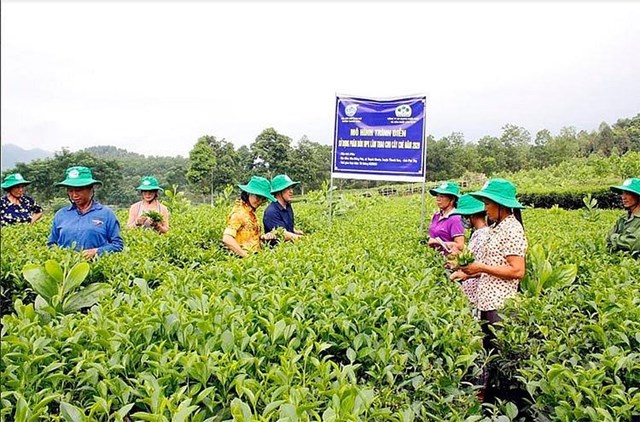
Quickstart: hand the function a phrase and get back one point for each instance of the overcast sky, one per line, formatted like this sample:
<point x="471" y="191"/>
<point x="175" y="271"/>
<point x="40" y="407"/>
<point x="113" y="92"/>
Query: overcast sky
<point x="153" y="76"/>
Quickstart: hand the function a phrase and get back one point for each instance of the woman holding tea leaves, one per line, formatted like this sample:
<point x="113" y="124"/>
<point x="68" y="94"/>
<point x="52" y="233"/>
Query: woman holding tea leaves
<point x="149" y="212"/>
<point x="242" y="234"/>
<point x="446" y="232"/>
<point x="473" y="216"/>
<point x="500" y="262"/>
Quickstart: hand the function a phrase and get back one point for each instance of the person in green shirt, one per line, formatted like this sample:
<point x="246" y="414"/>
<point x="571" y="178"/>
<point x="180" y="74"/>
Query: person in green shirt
<point x="625" y="235"/>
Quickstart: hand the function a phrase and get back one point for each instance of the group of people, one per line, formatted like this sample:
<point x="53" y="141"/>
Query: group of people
<point x="92" y="228"/>
<point x="497" y="241"/>
<point x="242" y="234"/>
<point x="85" y="225"/>
<point x="499" y="244"/>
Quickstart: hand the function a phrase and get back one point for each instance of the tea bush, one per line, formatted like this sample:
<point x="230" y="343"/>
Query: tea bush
<point x="356" y="321"/>
<point x="351" y="323"/>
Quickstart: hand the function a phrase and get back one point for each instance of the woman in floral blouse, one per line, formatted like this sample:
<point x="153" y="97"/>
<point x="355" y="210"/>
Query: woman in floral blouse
<point x="500" y="262"/>
<point x="242" y="234"/>
<point x="15" y="206"/>
<point x="474" y="217"/>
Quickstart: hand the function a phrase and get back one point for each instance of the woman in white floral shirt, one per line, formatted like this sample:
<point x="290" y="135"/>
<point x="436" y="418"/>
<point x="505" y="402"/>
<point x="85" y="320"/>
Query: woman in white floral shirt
<point x="474" y="216"/>
<point x="500" y="263"/>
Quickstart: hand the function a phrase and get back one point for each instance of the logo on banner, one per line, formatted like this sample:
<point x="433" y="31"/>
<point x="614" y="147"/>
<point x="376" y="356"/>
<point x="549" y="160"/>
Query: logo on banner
<point x="350" y="110"/>
<point x="403" y="110"/>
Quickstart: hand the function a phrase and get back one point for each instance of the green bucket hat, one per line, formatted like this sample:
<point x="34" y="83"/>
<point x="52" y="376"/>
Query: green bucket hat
<point x="468" y="205"/>
<point x="630" y="185"/>
<point x="500" y="191"/>
<point x="78" y="176"/>
<point x="446" y="188"/>
<point x="281" y="182"/>
<point x="12" y="180"/>
<point x="258" y="186"/>
<point x="149" y="183"/>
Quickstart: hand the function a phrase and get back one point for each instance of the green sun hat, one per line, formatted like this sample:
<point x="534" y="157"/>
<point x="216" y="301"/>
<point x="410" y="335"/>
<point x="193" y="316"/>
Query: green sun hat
<point x="149" y="183"/>
<point x="78" y="176"/>
<point x="12" y="180"/>
<point x="632" y="185"/>
<point x="281" y="182"/>
<point x="446" y="188"/>
<point x="468" y="205"/>
<point x="500" y="191"/>
<point x="258" y="186"/>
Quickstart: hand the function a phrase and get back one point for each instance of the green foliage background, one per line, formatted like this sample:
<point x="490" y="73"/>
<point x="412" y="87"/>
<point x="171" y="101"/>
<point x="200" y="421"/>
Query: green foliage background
<point x="571" y="158"/>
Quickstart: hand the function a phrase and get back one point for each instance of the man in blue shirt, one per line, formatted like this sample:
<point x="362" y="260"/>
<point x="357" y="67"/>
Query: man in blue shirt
<point x="280" y="212"/>
<point x="86" y="225"/>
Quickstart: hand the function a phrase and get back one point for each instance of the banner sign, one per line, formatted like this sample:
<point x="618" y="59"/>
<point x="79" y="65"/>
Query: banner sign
<point x="379" y="139"/>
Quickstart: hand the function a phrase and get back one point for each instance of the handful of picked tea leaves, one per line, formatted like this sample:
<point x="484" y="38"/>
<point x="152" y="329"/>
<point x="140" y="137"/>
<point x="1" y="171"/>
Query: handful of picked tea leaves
<point x="279" y="232"/>
<point x="465" y="257"/>
<point x="155" y="216"/>
<point x="460" y="259"/>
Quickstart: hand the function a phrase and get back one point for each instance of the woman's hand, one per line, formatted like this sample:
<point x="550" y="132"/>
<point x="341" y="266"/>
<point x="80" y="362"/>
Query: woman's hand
<point x="89" y="253"/>
<point x="268" y="236"/>
<point x="454" y="248"/>
<point x="473" y="268"/>
<point x="458" y="276"/>
<point x="515" y="268"/>
<point x="142" y="220"/>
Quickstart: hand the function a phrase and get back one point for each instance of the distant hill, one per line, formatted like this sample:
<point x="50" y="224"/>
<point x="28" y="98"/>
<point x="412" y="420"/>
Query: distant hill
<point x="13" y="154"/>
<point x="109" y="151"/>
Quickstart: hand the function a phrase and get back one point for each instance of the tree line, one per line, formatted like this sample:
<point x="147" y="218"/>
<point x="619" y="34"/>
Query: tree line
<point x="213" y="164"/>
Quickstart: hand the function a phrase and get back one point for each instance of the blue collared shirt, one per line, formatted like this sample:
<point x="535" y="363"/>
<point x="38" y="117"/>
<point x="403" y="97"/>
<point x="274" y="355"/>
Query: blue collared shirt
<point x="97" y="228"/>
<point x="278" y="216"/>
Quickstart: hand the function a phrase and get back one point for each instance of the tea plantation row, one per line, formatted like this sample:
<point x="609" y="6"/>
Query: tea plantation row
<point x="355" y="322"/>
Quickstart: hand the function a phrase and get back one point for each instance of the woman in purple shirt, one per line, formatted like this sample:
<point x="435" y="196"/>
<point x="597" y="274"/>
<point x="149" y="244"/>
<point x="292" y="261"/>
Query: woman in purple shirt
<point x="446" y="231"/>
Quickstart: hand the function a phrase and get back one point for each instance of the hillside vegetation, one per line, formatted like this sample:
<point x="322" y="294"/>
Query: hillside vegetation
<point x="214" y="164"/>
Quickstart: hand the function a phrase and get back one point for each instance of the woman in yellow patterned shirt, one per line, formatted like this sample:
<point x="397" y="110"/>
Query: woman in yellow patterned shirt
<point x="242" y="234"/>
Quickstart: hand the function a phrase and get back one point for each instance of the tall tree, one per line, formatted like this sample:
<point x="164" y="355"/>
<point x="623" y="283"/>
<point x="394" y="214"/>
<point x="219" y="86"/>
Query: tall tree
<point x="271" y="153"/>
<point x="605" y="140"/>
<point x="244" y="170"/>
<point x="626" y="133"/>
<point x="515" y="144"/>
<point x="538" y="156"/>
<point x="202" y="162"/>
<point x="310" y="164"/>
<point x="562" y="147"/>
<point x="493" y="155"/>
<point x="226" y="170"/>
